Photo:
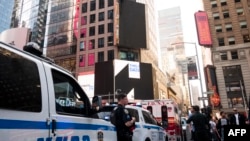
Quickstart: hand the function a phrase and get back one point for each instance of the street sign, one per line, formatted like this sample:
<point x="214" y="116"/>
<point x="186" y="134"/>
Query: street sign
<point x="202" y="98"/>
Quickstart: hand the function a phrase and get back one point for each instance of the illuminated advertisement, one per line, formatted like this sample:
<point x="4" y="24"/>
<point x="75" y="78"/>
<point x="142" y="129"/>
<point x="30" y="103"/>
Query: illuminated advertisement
<point x="203" y="30"/>
<point x="192" y="68"/>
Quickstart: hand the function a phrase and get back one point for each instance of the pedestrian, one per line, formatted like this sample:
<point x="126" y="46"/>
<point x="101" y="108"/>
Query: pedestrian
<point x="201" y="125"/>
<point x="237" y="118"/>
<point x="191" y="124"/>
<point x="124" y="122"/>
<point x="223" y="120"/>
<point x="213" y="130"/>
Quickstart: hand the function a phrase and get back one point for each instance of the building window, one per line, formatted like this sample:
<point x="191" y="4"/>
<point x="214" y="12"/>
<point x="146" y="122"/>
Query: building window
<point x="110" y="2"/>
<point x="236" y="1"/>
<point x="221" y="41"/>
<point x="111" y="55"/>
<point x="83" y="20"/>
<point x="213" y="3"/>
<point x="243" y="24"/>
<point x="91" y="59"/>
<point x="82" y="45"/>
<point x="231" y="40"/>
<point x="100" y="42"/>
<point x="101" y="29"/>
<point x="223" y="2"/>
<point x="92" y="31"/>
<point x="110" y="27"/>
<point x="101" y="16"/>
<point x="240" y="11"/>
<point x="216" y="16"/>
<point x="218" y="28"/>
<point x="234" y="85"/>
<point x="246" y="38"/>
<point x="92" y="18"/>
<point x="83" y="33"/>
<point x="234" y="54"/>
<point x="228" y="27"/>
<point x="81" y="60"/>
<point x="91" y="44"/>
<point x="223" y="55"/>
<point x="110" y="40"/>
<point x="127" y="55"/>
<point x="84" y="7"/>
<point x="92" y="5"/>
<point x="226" y="14"/>
<point x="110" y="14"/>
<point x="101" y="56"/>
<point x="101" y="4"/>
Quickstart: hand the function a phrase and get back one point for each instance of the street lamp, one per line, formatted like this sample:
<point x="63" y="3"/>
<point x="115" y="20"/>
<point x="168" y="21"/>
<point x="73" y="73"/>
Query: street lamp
<point x="198" y="65"/>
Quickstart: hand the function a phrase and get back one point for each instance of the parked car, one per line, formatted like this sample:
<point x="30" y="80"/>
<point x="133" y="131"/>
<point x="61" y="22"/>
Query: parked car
<point x="146" y="126"/>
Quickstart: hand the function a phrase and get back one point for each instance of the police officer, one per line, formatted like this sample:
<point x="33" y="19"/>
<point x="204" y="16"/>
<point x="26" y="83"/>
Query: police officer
<point x="201" y="125"/>
<point x="124" y="122"/>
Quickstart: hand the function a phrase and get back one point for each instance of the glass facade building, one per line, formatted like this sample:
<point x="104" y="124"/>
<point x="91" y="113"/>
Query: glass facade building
<point x="31" y="14"/>
<point x="62" y="31"/>
<point x="6" y="7"/>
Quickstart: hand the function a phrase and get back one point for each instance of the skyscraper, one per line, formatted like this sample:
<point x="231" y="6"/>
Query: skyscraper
<point x="6" y="7"/>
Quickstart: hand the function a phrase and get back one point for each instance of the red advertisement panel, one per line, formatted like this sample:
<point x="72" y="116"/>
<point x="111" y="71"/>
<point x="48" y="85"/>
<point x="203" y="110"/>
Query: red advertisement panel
<point x="203" y="30"/>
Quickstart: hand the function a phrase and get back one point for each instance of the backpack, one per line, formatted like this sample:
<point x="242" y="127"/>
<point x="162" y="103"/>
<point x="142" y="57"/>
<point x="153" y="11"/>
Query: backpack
<point x="113" y="116"/>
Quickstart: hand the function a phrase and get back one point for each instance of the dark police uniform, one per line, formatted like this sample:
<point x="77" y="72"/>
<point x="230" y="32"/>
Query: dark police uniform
<point x="201" y="126"/>
<point x="122" y="115"/>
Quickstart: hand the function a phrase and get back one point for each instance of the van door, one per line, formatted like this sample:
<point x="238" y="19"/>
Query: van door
<point x="70" y="111"/>
<point x="23" y="97"/>
<point x="155" y="131"/>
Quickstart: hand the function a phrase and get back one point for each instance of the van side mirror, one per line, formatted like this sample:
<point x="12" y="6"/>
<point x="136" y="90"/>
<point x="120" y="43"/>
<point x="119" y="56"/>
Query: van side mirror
<point x="97" y="102"/>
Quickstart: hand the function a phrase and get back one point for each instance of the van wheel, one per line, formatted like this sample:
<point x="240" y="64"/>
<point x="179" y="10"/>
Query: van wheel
<point x="147" y="139"/>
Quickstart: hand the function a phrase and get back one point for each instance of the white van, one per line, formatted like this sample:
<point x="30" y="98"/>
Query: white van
<point x="40" y="101"/>
<point x="146" y="126"/>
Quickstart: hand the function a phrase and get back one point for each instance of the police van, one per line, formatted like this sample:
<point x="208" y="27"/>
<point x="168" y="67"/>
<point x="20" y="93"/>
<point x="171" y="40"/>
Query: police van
<point x="40" y="101"/>
<point x="146" y="128"/>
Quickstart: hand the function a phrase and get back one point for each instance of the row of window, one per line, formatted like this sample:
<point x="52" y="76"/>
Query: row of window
<point x="228" y="26"/>
<point x="84" y="45"/>
<point x="233" y="54"/>
<point x="93" y="5"/>
<point x="101" y="30"/>
<point x="101" y="17"/>
<point x="91" y="58"/>
<point x="222" y="2"/>
<point x="226" y="14"/>
<point x="123" y="55"/>
<point x="231" y="40"/>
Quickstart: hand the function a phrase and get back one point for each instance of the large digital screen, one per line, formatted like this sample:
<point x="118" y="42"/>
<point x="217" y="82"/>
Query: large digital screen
<point x="203" y="31"/>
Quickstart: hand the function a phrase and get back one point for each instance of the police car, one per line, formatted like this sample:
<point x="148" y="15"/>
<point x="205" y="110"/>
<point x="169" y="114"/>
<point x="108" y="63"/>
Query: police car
<point x="40" y="101"/>
<point x="146" y="129"/>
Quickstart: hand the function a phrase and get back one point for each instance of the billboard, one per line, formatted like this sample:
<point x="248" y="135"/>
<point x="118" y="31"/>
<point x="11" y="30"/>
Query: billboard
<point x="203" y="31"/>
<point x="132" y="78"/>
<point x="192" y="68"/>
<point x="132" y="25"/>
<point x="212" y="85"/>
<point x="86" y="80"/>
